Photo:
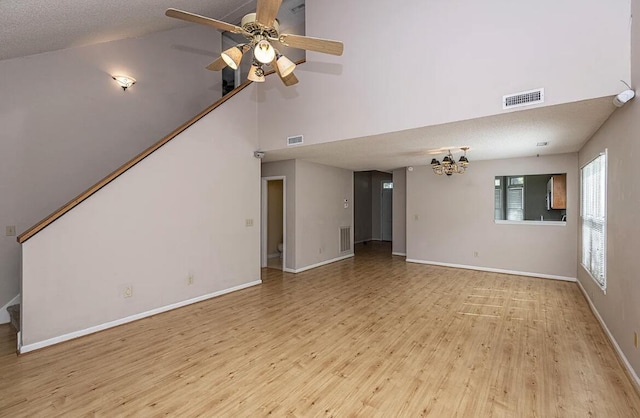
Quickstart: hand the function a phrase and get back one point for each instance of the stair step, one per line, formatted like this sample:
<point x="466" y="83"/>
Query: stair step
<point x="14" y="314"/>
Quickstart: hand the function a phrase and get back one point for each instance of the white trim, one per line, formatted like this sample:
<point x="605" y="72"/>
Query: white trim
<point x="322" y="263"/>
<point x="634" y="376"/>
<point x="548" y="223"/>
<point x="72" y="335"/>
<point x="401" y="254"/>
<point x="4" y="315"/>
<point x="492" y="270"/>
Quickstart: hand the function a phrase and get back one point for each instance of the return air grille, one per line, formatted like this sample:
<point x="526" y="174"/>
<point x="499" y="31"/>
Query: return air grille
<point x="295" y="140"/>
<point x="525" y="98"/>
<point x="345" y="239"/>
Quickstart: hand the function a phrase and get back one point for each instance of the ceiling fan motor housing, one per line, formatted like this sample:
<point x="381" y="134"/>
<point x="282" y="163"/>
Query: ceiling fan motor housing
<point x="249" y="24"/>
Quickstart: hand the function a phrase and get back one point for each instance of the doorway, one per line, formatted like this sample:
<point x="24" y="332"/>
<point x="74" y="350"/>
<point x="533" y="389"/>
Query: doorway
<point x="273" y="247"/>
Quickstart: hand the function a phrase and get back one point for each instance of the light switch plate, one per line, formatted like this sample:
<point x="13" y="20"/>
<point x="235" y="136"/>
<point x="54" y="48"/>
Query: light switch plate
<point x="10" y="231"/>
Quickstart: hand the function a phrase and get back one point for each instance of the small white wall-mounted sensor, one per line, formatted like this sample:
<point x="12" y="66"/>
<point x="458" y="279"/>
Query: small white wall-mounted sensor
<point x="410" y="168"/>
<point x="623" y="97"/>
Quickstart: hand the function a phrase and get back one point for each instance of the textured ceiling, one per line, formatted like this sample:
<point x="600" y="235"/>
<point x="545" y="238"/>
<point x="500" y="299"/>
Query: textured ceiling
<point x="34" y="26"/>
<point x="565" y="127"/>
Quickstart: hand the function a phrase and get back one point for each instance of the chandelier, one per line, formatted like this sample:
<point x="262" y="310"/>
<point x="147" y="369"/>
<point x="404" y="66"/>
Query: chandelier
<point x="449" y="165"/>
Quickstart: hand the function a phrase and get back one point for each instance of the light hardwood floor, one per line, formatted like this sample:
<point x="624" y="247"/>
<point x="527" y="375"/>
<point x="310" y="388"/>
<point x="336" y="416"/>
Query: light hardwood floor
<point x="369" y="336"/>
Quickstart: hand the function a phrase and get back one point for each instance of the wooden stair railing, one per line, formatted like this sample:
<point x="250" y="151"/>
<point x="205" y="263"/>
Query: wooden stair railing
<point x="123" y="168"/>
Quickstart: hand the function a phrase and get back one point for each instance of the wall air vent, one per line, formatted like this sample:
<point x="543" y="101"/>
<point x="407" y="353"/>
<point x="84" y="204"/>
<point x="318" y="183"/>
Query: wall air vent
<point x="525" y="98"/>
<point x="345" y="239"/>
<point x="295" y="140"/>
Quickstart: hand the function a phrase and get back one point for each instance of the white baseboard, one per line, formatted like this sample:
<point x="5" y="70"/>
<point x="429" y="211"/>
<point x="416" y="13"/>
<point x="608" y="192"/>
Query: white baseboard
<point x="323" y="263"/>
<point x="400" y="254"/>
<point x="72" y="335"/>
<point x="632" y="373"/>
<point x="4" y="315"/>
<point x="492" y="270"/>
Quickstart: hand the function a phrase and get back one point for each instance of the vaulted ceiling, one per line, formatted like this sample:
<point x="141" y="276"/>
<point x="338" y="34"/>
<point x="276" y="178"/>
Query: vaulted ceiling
<point x="35" y="26"/>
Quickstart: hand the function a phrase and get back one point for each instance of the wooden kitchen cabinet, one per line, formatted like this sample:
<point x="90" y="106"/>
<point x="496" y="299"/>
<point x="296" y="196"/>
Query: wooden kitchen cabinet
<point x="557" y="192"/>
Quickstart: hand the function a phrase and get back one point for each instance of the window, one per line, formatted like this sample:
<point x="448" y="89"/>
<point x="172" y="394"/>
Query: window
<point x="593" y="218"/>
<point x="515" y="199"/>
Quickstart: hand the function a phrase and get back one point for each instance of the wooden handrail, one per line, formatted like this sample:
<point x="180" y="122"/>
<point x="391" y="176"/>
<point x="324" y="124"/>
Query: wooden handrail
<point x="115" y="174"/>
<point x="126" y="166"/>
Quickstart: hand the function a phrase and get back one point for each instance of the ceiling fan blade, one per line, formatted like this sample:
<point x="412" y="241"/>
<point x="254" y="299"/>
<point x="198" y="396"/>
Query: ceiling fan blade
<point x="290" y="80"/>
<point x="274" y="65"/>
<point x="217" y="65"/>
<point x="312" y="44"/>
<point x="266" y="12"/>
<point x="192" y="17"/>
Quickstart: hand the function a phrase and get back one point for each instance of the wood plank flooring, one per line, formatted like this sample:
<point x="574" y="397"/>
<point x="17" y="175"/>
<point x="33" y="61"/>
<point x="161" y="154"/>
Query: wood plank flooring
<point x="369" y="336"/>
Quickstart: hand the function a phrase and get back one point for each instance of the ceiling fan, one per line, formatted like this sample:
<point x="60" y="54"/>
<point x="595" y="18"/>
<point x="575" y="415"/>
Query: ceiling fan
<point x="262" y="30"/>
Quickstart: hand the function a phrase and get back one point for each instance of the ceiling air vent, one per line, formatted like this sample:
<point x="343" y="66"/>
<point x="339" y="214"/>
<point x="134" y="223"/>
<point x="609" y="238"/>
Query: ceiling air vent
<point x="525" y="98"/>
<point x="294" y="140"/>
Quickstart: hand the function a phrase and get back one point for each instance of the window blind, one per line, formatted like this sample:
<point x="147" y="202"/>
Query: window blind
<point x="593" y="218"/>
<point x="515" y="204"/>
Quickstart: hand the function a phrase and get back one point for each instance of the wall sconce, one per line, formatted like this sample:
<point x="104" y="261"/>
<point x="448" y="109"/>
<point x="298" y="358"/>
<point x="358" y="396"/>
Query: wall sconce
<point x="124" y="81"/>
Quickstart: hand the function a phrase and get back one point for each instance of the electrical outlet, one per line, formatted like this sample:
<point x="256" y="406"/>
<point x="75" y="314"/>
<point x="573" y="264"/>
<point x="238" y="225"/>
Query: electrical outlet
<point x="249" y="222"/>
<point x="190" y="280"/>
<point x="635" y="339"/>
<point x="475" y="254"/>
<point x="127" y="292"/>
<point x="10" y="231"/>
<point x="415" y="218"/>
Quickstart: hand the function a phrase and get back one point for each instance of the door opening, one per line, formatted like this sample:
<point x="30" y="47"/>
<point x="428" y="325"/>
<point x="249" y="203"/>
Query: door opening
<point x="273" y="223"/>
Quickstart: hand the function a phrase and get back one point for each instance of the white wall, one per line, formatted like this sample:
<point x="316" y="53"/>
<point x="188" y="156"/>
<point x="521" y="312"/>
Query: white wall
<point x="179" y="212"/>
<point x="66" y="124"/>
<point x="399" y="245"/>
<point x="320" y="212"/>
<point x="619" y="307"/>
<point x="422" y="63"/>
<point x="288" y="170"/>
<point x="455" y="219"/>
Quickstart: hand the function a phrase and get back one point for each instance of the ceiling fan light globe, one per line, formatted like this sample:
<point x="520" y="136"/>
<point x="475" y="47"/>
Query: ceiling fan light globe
<point x="264" y="52"/>
<point x="256" y="74"/>
<point x="232" y="57"/>
<point x="285" y="66"/>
